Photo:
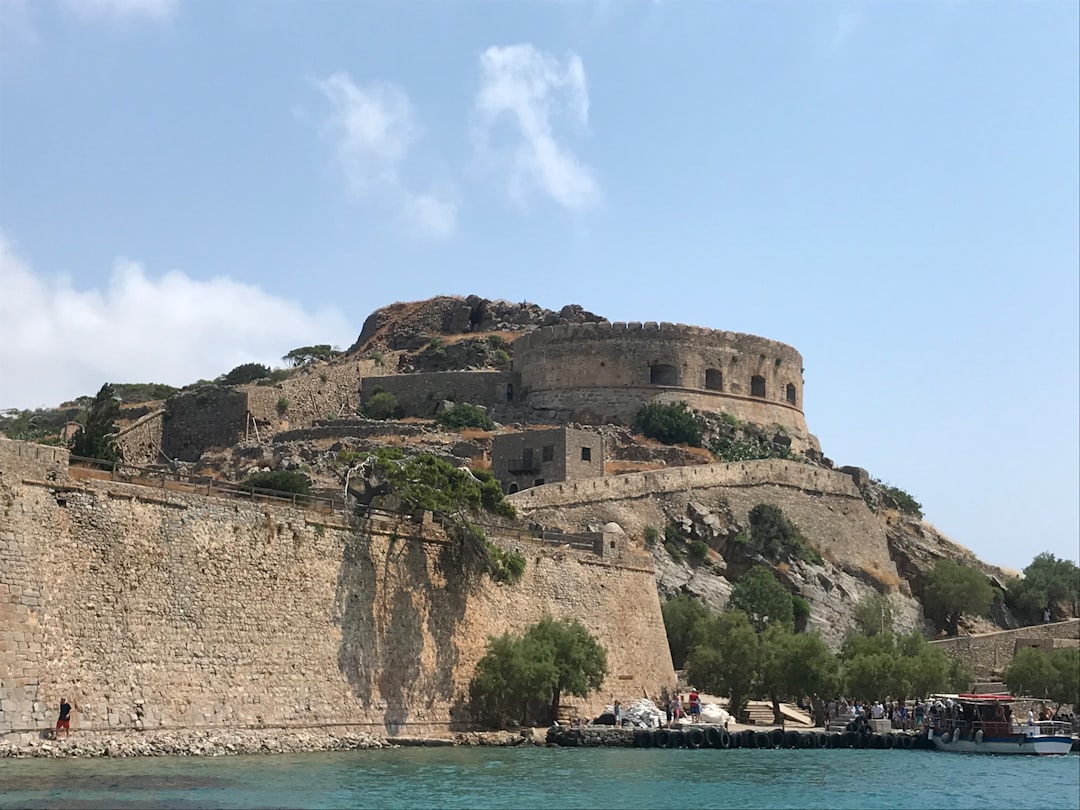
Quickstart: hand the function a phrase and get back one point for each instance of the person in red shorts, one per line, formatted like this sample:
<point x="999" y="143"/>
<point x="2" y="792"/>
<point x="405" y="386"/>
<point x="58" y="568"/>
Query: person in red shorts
<point x="64" y="721"/>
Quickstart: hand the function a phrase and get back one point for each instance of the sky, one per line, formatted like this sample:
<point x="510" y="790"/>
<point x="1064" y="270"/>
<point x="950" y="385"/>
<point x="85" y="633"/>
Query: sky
<point x="893" y="188"/>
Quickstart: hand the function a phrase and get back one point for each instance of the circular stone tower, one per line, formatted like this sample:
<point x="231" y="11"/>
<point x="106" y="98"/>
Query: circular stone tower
<point x="604" y="372"/>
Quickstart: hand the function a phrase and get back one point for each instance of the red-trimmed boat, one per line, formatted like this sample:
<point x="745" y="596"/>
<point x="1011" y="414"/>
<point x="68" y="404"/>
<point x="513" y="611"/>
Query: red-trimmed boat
<point x="984" y="724"/>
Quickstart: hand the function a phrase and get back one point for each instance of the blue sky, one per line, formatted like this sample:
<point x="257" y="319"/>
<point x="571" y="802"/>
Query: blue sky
<point x="890" y="187"/>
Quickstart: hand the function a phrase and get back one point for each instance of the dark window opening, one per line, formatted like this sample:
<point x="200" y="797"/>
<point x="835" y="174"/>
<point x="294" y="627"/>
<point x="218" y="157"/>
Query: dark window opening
<point x="791" y="394"/>
<point x="537" y="482"/>
<point x="527" y="459"/>
<point x="714" y="379"/>
<point x="757" y="386"/>
<point x="548" y="453"/>
<point x="663" y="374"/>
<point x="513" y="487"/>
<point x="509" y="392"/>
<point x="586" y="454"/>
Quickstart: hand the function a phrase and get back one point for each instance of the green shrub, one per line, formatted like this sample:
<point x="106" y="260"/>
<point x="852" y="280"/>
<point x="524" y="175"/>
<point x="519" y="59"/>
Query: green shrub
<point x="463" y="415"/>
<point x="291" y="482"/>
<point x="671" y="423"/>
<point x="502" y="357"/>
<point x="245" y="373"/>
<point x="282" y="405"/>
<point x="382" y="405"/>
<point x="699" y="550"/>
<point x="748" y="449"/>
<point x="904" y="502"/>
<point x="505" y="566"/>
<point x="652" y="535"/>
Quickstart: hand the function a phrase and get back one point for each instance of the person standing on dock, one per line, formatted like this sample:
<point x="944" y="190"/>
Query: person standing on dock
<point x="618" y="713"/>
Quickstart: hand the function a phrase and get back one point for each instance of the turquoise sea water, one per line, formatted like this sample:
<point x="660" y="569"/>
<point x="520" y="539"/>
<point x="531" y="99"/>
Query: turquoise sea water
<point x="550" y="778"/>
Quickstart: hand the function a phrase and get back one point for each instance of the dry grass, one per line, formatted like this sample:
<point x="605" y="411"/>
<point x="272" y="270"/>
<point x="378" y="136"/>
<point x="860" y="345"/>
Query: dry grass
<point x="480" y="463"/>
<point x="880" y="575"/>
<point x="476" y="433"/>
<point x="701" y="453"/>
<point x="783" y="567"/>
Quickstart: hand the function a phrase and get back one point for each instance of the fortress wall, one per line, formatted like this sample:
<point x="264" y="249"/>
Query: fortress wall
<point x="141" y="440"/>
<point x="616" y="355"/>
<point x="318" y="391"/>
<point x="825" y="505"/>
<point x="420" y="394"/>
<point x="168" y="609"/>
<point x="989" y="653"/>
<point x="210" y="416"/>
<point x="620" y="405"/>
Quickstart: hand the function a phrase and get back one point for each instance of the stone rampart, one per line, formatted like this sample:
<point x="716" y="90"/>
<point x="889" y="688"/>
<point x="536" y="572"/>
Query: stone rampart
<point x="989" y="653"/>
<point x="605" y="370"/>
<point x="825" y="505"/>
<point x="159" y="609"/>
<point x="420" y="394"/>
<point x="140" y="441"/>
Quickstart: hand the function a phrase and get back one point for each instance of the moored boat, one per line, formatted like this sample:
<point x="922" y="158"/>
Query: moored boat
<point x="984" y="724"/>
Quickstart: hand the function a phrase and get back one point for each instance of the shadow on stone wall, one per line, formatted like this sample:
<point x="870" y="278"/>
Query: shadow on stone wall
<point x="384" y="610"/>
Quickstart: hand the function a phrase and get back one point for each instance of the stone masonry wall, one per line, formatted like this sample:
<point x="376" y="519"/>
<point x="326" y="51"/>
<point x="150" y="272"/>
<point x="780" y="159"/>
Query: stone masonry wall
<point x="825" y="505"/>
<point x="141" y="440"/>
<point x="420" y="394"/>
<point x="989" y="653"/>
<point x="596" y="365"/>
<point x="151" y="608"/>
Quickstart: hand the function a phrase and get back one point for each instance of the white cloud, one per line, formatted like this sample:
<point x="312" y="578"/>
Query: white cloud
<point x="123" y="9"/>
<point x="57" y="342"/>
<point x="374" y="127"/>
<point x="533" y="89"/>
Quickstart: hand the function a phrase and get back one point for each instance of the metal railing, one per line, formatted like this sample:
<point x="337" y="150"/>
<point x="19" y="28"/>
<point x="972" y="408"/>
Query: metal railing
<point x="125" y="473"/>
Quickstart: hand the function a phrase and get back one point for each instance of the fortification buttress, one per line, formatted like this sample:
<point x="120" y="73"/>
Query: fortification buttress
<point x="605" y="371"/>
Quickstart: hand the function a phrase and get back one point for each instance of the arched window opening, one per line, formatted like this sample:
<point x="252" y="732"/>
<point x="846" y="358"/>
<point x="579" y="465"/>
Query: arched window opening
<point x="791" y="394"/>
<point x="663" y="374"/>
<point x="714" y="379"/>
<point x="757" y="386"/>
<point x="513" y="487"/>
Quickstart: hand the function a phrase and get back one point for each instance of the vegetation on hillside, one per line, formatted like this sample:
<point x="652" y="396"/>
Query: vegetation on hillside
<point x="672" y="423"/>
<point x="285" y="482"/>
<point x="96" y="438"/>
<point x="776" y="538"/>
<point x="952" y="590"/>
<point x="430" y="483"/>
<point x="464" y="415"/>
<point x="1051" y="675"/>
<point x="1049" y="583"/>
<point x="763" y="599"/>
<point x="304" y="355"/>
<point x="523" y="677"/>
<point x="382" y="405"/>
<point x="245" y="373"/>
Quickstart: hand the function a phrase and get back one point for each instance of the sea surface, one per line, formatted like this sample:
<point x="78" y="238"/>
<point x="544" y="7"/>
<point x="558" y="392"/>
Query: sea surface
<point x="550" y="778"/>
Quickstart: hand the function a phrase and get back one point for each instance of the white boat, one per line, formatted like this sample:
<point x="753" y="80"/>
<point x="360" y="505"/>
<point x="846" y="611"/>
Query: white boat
<point x="984" y="724"/>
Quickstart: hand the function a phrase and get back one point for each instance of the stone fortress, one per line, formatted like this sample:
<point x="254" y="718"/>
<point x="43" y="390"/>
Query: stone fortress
<point x="599" y="372"/>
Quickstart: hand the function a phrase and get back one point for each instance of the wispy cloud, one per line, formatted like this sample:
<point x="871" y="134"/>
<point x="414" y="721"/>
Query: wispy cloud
<point x="58" y="342"/>
<point x="373" y="127"/>
<point x="123" y="9"/>
<point x="844" y="25"/>
<point x="534" y="90"/>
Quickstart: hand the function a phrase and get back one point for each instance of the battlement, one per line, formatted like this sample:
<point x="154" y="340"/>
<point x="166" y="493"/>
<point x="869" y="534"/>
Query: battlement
<point x="647" y="330"/>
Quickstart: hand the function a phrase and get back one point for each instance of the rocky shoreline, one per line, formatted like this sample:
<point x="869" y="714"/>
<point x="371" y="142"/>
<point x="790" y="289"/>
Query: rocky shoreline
<point x="216" y="743"/>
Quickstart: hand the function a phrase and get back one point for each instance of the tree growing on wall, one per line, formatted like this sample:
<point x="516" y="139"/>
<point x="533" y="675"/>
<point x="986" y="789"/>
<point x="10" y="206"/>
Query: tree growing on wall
<point x="245" y="373"/>
<point x="96" y="439"/>
<point x="951" y="591"/>
<point x="873" y="615"/>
